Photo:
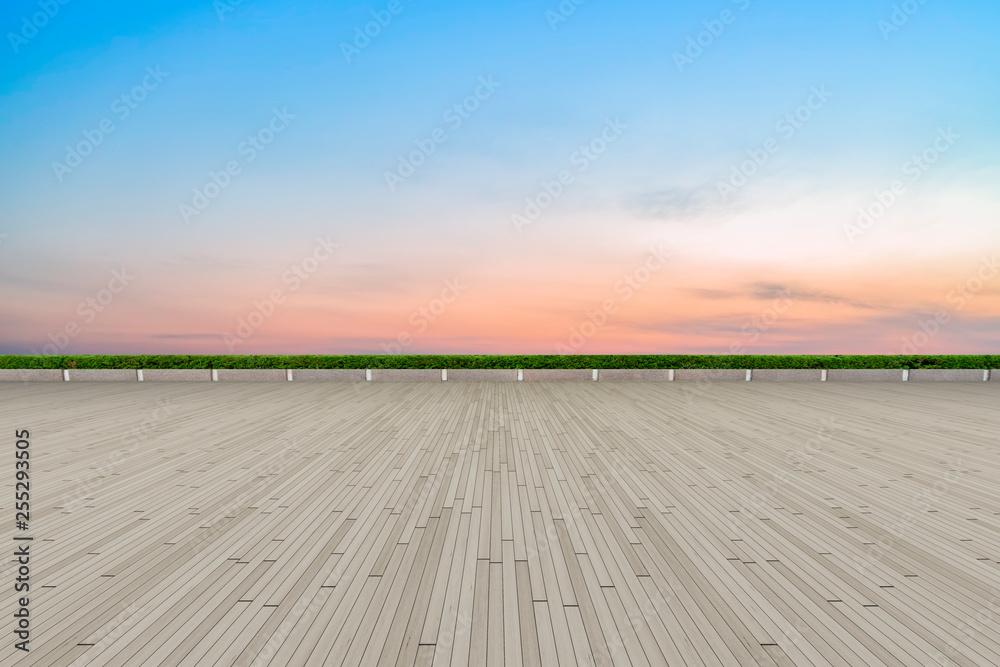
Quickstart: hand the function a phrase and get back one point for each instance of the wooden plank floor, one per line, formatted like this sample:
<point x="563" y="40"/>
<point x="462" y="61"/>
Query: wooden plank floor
<point x="508" y="523"/>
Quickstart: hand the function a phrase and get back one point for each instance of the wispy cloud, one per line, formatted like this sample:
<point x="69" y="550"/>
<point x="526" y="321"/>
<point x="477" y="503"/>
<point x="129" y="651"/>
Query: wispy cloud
<point x="767" y="291"/>
<point x="676" y="204"/>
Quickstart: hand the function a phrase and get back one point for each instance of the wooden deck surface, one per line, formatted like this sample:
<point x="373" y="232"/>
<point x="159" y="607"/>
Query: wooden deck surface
<point x="508" y="523"/>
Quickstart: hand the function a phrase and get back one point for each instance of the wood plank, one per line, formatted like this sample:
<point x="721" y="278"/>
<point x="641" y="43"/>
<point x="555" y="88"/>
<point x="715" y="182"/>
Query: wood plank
<point x="511" y="523"/>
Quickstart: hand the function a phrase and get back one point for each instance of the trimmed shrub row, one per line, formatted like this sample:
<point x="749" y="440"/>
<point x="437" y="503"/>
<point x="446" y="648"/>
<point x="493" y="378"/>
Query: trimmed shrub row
<point x="501" y="361"/>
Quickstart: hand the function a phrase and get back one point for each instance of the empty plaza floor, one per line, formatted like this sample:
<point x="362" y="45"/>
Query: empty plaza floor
<point x="517" y="523"/>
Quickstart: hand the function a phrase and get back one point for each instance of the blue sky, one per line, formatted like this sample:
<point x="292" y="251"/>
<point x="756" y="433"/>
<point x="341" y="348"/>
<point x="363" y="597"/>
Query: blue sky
<point x="557" y="85"/>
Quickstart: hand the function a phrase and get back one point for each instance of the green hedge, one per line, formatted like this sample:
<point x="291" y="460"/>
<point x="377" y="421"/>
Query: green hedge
<point x="501" y="361"/>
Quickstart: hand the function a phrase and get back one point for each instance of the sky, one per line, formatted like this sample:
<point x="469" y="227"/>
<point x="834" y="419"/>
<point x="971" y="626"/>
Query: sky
<point x="524" y="177"/>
